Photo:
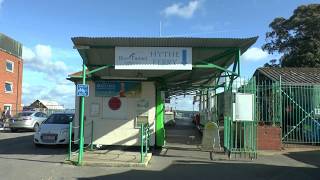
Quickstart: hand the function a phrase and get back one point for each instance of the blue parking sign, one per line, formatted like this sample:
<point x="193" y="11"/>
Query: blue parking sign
<point x="82" y="90"/>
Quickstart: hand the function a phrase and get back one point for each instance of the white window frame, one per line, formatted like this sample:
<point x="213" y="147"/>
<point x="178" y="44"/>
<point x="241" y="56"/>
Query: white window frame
<point x="12" y="63"/>
<point x="10" y="105"/>
<point x="7" y="82"/>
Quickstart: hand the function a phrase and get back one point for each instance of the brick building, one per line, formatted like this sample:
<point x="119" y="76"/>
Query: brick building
<point x="11" y="66"/>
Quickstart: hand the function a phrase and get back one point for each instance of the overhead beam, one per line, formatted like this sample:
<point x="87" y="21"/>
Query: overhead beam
<point x="227" y="53"/>
<point x="99" y="69"/>
<point x="210" y="65"/>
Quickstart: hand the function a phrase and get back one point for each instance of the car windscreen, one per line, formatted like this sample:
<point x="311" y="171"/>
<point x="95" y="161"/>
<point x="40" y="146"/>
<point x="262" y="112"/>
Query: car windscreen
<point x="59" y="119"/>
<point x="23" y="114"/>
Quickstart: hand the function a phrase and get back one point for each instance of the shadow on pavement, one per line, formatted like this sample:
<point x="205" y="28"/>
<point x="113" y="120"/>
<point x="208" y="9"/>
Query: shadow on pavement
<point x="308" y="157"/>
<point x="23" y="145"/>
<point x="207" y="170"/>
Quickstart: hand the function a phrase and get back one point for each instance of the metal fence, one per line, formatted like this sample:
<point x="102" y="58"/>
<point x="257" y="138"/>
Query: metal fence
<point x="268" y="98"/>
<point x="240" y="136"/>
<point x="293" y="107"/>
<point x="52" y="111"/>
<point x="73" y="151"/>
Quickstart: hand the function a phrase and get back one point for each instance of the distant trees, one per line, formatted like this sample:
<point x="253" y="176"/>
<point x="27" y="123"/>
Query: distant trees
<point x="297" y="38"/>
<point x="272" y="63"/>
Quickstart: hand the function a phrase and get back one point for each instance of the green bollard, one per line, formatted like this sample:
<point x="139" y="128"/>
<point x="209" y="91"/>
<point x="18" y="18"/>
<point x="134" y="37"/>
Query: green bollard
<point x="70" y="140"/>
<point x="141" y="143"/>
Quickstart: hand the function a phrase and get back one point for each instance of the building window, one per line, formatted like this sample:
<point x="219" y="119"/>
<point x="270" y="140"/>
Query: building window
<point x="9" y="66"/>
<point x="8" y="87"/>
<point x="7" y="109"/>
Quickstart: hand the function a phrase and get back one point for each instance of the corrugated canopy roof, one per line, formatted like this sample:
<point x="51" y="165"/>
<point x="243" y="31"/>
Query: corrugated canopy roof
<point x="292" y="75"/>
<point x="97" y="52"/>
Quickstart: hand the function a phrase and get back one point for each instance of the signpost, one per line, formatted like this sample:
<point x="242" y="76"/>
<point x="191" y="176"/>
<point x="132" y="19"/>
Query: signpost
<point x="83" y="90"/>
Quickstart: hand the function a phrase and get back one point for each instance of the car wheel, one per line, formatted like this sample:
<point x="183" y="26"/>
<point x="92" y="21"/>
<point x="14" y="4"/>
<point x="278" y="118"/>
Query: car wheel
<point x="13" y="130"/>
<point x="36" y="127"/>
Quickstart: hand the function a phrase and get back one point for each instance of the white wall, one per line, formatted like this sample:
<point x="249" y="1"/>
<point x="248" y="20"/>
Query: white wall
<point x="117" y="130"/>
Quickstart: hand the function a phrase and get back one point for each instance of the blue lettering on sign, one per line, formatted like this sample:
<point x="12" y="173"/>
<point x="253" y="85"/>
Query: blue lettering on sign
<point x="184" y="57"/>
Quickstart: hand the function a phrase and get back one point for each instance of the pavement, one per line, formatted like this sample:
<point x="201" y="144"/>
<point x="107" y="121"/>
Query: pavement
<point x="180" y="159"/>
<point x="112" y="158"/>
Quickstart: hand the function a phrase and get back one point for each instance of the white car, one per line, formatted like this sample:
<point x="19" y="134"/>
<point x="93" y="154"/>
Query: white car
<point x="54" y="130"/>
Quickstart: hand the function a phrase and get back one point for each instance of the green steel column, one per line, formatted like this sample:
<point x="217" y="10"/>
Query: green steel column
<point x="141" y="143"/>
<point x="160" y="133"/>
<point x="238" y="60"/>
<point x="280" y="103"/>
<point x="81" y="136"/>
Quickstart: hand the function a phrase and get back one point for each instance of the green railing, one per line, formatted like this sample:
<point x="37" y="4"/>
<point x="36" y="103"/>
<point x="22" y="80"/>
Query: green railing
<point x="73" y="141"/>
<point x="268" y="99"/>
<point x="240" y="137"/>
<point x="144" y="140"/>
<point x="52" y="111"/>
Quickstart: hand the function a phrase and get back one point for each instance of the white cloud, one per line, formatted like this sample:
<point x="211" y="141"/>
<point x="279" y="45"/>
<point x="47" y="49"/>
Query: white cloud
<point x="26" y="88"/>
<point x="27" y="54"/>
<point x="40" y="60"/>
<point x="62" y="92"/>
<point x="254" y="54"/>
<point x="182" y="10"/>
<point x="45" y="75"/>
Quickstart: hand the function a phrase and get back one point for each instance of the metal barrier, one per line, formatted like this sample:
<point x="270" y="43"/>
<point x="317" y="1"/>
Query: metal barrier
<point x="269" y="108"/>
<point x="71" y="129"/>
<point x="52" y="111"/>
<point x="240" y="137"/>
<point x="144" y="140"/>
<point x="293" y="107"/>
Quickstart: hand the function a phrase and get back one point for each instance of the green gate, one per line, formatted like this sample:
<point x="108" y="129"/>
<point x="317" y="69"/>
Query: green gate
<point x="239" y="136"/>
<point x="293" y="107"/>
<point x="300" y="113"/>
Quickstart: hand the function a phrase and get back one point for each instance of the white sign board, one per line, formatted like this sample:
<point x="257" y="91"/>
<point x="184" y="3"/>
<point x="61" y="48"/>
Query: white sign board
<point x="317" y="112"/>
<point x="243" y="107"/>
<point x="153" y="58"/>
<point x="82" y="90"/>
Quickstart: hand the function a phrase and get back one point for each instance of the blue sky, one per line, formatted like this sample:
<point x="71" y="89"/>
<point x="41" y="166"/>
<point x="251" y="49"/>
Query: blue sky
<point x="45" y="27"/>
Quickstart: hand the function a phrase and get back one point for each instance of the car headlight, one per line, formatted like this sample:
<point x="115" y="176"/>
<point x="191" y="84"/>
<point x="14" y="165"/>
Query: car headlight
<point x="64" y="132"/>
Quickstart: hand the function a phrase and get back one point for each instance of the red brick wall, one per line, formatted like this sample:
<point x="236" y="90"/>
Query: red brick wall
<point x="15" y="77"/>
<point x="269" y="138"/>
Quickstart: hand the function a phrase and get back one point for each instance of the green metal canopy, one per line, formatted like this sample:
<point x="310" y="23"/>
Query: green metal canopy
<point x="210" y="58"/>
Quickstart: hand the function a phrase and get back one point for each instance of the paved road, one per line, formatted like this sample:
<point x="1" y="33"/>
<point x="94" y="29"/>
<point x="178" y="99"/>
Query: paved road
<point x="19" y="159"/>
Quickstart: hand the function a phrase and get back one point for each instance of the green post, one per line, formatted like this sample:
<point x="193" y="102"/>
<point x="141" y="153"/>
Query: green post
<point x="145" y="136"/>
<point x="70" y="140"/>
<point x="81" y="136"/>
<point x="280" y="102"/>
<point x="160" y="133"/>
<point x="141" y="143"/>
<point x="92" y="139"/>
<point x="238" y="59"/>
